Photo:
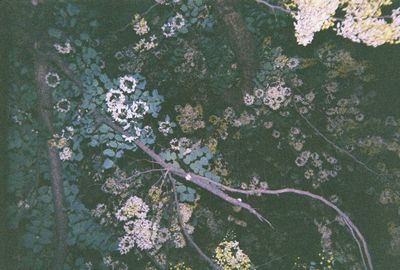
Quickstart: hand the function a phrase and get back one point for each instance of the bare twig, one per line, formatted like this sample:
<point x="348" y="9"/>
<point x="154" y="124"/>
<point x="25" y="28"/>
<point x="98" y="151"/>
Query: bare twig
<point x="187" y="235"/>
<point x="274" y="7"/>
<point x="217" y="189"/>
<point x="192" y="178"/>
<point x="358" y="237"/>
<point x="144" y="172"/>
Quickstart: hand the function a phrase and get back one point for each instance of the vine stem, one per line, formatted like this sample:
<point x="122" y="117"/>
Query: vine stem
<point x="334" y="145"/>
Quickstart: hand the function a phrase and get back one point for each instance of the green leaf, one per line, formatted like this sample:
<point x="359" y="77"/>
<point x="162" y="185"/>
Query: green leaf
<point x="55" y="33"/>
<point x="72" y="10"/>
<point x="84" y="36"/>
<point x="109" y="152"/>
<point x="108" y="163"/>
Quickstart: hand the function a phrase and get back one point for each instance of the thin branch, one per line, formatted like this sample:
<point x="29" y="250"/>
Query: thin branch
<point x="340" y="149"/>
<point x="144" y="172"/>
<point x="217" y="188"/>
<point x="193" y="178"/>
<point x="358" y="237"/>
<point x="274" y="7"/>
<point x="187" y="235"/>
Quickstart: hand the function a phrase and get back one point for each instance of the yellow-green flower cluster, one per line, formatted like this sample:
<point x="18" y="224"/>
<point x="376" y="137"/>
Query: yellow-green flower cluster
<point x="180" y="266"/>
<point x="229" y="256"/>
<point x="190" y="118"/>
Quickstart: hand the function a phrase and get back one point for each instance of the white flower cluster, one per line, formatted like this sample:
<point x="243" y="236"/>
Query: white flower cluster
<point x="182" y="144"/>
<point x="63" y="49"/>
<point x="362" y="20"/>
<point x="229" y="255"/>
<point x="248" y="99"/>
<point x="139" y="231"/>
<point x="63" y="105"/>
<point x="52" y="79"/>
<point x="277" y="95"/>
<point x="303" y="158"/>
<point x="146" y="44"/>
<point x="175" y="23"/>
<point x="66" y="153"/>
<point x="185" y="212"/>
<point x="311" y="17"/>
<point x="363" y="24"/>
<point x="125" y="111"/>
<point x="133" y="207"/>
<point x="140" y="25"/>
<point x="165" y="127"/>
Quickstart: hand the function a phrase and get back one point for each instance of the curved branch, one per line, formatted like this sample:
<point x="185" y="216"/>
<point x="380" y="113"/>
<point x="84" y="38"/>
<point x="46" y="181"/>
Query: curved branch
<point x="357" y="235"/>
<point x="217" y="189"/>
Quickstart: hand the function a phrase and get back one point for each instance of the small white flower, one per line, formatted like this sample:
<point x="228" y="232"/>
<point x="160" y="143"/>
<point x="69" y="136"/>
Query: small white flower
<point x="248" y="100"/>
<point x="52" y="79"/>
<point x="63" y="105"/>
<point x="259" y="93"/>
<point x="66" y="153"/>
<point x="140" y="27"/>
<point x="127" y="84"/>
<point x="67" y="48"/>
<point x="293" y="63"/>
<point x="129" y="138"/>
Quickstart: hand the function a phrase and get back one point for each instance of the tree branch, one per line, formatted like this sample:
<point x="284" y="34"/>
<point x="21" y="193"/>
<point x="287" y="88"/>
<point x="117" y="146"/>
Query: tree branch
<point x="217" y="189"/>
<point x="187" y="235"/>
<point x="357" y="235"/>
<point x="192" y="178"/>
<point x="274" y="7"/>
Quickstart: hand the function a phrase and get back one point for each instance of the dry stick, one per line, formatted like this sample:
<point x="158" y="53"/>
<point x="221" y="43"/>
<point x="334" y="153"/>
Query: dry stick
<point x="169" y="167"/>
<point x="212" y="186"/>
<point x="187" y="235"/>
<point x="45" y="103"/>
<point x="353" y="228"/>
<point x="195" y="179"/>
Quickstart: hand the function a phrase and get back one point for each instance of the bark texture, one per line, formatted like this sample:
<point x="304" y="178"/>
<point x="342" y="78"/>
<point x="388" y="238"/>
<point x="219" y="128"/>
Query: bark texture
<point x="55" y="167"/>
<point x="241" y="41"/>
